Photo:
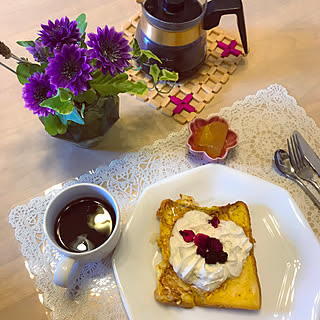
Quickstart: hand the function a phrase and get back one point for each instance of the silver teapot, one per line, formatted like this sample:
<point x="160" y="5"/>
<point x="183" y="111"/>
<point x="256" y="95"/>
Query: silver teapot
<point x="175" y="30"/>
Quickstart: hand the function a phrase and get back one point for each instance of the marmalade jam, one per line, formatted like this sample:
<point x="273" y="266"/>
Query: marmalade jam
<point x="211" y="138"/>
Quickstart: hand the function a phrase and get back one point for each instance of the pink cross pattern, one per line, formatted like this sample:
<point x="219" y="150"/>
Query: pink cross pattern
<point x="229" y="48"/>
<point x="182" y="104"/>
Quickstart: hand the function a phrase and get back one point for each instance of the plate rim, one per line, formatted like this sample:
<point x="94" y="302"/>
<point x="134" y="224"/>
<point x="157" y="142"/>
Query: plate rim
<point x="296" y="210"/>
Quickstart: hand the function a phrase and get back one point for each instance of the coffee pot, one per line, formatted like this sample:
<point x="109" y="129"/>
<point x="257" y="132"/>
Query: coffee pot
<point x="175" y="30"/>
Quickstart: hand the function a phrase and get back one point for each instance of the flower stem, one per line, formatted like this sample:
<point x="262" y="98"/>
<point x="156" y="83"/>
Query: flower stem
<point x="163" y="91"/>
<point x="2" y="64"/>
<point x="19" y="59"/>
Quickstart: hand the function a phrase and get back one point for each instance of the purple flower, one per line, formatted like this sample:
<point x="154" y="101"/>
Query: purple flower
<point x="37" y="90"/>
<point x="40" y="52"/>
<point x="110" y="49"/>
<point x="69" y="68"/>
<point x="55" y="35"/>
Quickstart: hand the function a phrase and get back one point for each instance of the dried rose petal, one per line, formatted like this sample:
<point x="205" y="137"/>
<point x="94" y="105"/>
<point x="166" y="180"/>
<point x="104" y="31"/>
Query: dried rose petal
<point x="211" y="257"/>
<point x="201" y="251"/>
<point x="214" y="222"/>
<point x="201" y="240"/>
<point x="214" y="257"/>
<point x="223" y="257"/>
<point x="188" y="235"/>
<point x="214" y="245"/>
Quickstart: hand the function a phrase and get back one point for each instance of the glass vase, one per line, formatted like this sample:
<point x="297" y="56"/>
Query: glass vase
<point x="98" y="119"/>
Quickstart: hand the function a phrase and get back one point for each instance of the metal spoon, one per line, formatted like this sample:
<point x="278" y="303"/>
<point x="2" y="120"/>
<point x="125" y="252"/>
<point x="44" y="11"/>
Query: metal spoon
<point x="283" y="166"/>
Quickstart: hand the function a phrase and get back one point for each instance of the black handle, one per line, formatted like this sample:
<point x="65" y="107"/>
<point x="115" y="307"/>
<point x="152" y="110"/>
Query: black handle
<point x="217" y="8"/>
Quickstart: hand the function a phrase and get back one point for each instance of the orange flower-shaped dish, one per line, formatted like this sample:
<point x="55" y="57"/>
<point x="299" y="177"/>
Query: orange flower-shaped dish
<point x="196" y="125"/>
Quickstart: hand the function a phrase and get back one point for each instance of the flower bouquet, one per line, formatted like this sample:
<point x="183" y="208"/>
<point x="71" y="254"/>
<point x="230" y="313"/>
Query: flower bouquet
<point x="73" y="84"/>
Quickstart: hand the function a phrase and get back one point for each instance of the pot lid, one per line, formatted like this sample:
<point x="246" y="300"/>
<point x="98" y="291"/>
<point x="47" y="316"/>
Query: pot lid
<point x="175" y="11"/>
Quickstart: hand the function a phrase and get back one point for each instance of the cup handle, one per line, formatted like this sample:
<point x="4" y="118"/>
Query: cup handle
<point x="66" y="272"/>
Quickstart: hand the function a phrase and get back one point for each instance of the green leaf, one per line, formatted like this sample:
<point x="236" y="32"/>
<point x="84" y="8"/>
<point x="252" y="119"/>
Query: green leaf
<point x="168" y="75"/>
<point x="107" y="89"/>
<point x="60" y="102"/>
<point x="93" y="63"/>
<point x="81" y="18"/>
<point x="43" y="66"/>
<point x="82" y="43"/>
<point x="65" y="94"/>
<point x="57" y="105"/>
<point x="82" y="110"/>
<point x="150" y="55"/>
<point x="154" y="72"/>
<point x="25" y="70"/>
<point x="139" y="88"/>
<point x="53" y="125"/>
<point x="107" y="85"/>
<point x="116" y="87"/>
<point x="136" y="51"/>
<point x="82" y="24"/>
<point x="89" y="96"/>
<point x="26" y="43"/>
<point x="142" y="60"/>
<point x="99" y="77"/>
<point x="73" y="116"/>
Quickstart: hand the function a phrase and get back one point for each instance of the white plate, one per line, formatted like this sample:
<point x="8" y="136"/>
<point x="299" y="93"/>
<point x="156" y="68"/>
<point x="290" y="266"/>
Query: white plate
<point x="286" y="249"/>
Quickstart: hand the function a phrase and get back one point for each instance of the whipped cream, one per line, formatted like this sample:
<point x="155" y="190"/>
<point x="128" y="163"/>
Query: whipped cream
<point x="191" y="267"/>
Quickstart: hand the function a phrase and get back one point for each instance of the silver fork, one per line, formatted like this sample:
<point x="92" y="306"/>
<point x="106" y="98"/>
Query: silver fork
<point x="302" y="168"/>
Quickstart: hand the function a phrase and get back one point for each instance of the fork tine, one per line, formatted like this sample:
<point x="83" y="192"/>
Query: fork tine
<point x="295" y="153"/>
<point x="299" y="151"/>
<point x="291" y="155"/>
<point x="299" y="156"/>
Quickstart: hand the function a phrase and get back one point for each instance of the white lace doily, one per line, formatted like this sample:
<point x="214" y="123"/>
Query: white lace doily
<point x="262" y="121"/>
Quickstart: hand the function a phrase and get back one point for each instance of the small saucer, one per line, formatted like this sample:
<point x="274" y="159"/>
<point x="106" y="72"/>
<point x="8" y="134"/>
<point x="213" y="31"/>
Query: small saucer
<point x="231" y="139"/>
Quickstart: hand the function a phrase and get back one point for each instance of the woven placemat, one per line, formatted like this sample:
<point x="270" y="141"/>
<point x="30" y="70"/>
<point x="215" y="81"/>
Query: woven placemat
<point x="203" y="85"/>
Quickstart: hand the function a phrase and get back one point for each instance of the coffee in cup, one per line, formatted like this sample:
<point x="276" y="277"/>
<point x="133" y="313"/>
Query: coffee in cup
<point x="83" y="223"/>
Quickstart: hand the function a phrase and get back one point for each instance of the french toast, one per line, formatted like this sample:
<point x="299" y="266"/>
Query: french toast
<point x="242" y="292"/>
